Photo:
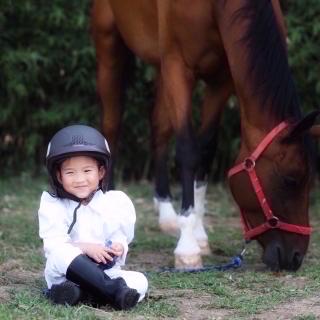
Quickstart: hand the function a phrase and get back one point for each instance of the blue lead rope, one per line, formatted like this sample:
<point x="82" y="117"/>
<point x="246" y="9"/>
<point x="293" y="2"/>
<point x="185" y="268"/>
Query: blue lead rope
<point x="235" y="263"/>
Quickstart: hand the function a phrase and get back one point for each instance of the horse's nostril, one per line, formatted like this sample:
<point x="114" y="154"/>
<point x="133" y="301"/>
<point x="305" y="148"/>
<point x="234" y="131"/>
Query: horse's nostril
<point x="296" y="260"/>
<point x="279" y="264"/>
<point x="272" y="257"/>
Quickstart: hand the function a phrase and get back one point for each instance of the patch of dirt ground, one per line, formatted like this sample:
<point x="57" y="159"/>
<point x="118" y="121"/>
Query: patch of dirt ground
<point x="190" y="305"/>
<point x="296" y="308"/>
<point x="199" y="307"/>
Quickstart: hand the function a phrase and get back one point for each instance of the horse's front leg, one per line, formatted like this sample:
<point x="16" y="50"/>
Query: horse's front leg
<point x="216" y="96"/>
<point x="162" y="131"/>
<point x="178" y="83"/>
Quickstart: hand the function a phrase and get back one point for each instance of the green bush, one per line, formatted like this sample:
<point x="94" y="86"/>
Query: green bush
<point x="47" y="76"/>
<point x="304" y="49"/>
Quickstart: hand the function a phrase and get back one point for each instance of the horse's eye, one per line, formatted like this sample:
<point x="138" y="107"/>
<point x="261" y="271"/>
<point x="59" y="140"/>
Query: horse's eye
<point x="290" y="182"/>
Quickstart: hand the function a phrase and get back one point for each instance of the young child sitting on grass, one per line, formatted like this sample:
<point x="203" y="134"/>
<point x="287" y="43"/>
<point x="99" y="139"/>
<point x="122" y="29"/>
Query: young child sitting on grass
<point x="86" y="230"/>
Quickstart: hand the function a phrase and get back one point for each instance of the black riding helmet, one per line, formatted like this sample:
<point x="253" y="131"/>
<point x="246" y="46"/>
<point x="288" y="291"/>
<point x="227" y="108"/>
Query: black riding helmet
<point x="71" y="141"/>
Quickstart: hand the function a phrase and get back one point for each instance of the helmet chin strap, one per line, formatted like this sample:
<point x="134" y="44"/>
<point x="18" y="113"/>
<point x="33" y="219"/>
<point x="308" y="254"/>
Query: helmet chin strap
<point x="74" y="220"/>
<point x="83" y="201"/>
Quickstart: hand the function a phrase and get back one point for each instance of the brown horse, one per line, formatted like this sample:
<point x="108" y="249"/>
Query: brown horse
<point x="231" y="45"/>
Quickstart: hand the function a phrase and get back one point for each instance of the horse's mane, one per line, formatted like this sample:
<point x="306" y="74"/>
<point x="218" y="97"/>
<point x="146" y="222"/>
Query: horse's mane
<point x="268" y="69"/>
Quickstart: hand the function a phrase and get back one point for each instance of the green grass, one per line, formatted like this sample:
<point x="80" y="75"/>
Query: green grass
<point x="240" y="294"/>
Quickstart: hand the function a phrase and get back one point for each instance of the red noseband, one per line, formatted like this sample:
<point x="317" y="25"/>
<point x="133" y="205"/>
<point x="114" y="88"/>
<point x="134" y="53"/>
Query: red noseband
<point x="272" y="221"/>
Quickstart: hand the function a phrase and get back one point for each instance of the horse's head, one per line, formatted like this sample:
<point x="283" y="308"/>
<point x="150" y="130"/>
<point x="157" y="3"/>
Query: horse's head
<point x="271" y="185"/>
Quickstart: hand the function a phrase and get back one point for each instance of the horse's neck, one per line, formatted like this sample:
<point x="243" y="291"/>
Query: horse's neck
<point x="249" y="60"/>
<point x="255" y="125"/>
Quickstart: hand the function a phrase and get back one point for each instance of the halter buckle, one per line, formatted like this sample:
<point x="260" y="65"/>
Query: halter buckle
<point x="249" y="164"/>
<point x="273" y="222"/>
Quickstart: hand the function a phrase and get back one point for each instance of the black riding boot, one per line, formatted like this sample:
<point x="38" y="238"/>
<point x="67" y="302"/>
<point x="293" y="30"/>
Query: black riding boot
<point x="65" y="293"/>
<point x="92" y="279"/>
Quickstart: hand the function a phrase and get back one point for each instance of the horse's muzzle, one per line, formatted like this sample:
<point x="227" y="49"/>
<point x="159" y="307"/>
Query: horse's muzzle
<point x="277" y="258"/>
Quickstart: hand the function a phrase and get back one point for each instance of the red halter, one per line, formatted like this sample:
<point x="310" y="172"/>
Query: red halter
<point x="272" y="221"/>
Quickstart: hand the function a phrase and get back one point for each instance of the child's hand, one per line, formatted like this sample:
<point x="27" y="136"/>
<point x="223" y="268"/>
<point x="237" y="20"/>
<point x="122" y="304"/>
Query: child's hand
<point x="117" y="249"/>
<point x="97" y="252"/>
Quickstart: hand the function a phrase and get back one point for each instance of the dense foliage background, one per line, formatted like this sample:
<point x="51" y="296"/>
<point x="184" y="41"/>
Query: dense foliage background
<point x="47" y="80"/>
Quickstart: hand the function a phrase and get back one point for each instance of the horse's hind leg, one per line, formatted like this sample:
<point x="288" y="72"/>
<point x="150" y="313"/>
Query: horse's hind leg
<point x="112" y="58"/>
<point x="215" y="99"/>
<point x="161" y="133"/>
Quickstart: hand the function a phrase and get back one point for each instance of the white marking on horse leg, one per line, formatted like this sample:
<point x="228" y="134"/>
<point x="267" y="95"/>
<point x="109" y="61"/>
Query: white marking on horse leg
<point x="187" y="252"/>
<point x="200" y="209"/>
<point x="167" y="216"/>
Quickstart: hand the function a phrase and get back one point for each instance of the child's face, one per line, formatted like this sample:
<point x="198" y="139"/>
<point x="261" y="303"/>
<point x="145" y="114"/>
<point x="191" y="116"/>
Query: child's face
<point x="80" y="175"/>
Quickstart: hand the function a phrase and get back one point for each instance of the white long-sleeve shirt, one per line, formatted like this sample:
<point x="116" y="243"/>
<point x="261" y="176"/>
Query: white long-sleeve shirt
<point x="108" y="216"/>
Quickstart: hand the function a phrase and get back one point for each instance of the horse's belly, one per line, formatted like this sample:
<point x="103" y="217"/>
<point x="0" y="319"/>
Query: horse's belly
<point x="196" y="36"/>
<point x="138" y="26"/>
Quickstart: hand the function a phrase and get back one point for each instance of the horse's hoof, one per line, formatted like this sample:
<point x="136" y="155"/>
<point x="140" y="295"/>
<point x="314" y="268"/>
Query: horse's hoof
<point x="169" y="228"/>
<point x="204" y="247"/>
<point x="185" y="262"/>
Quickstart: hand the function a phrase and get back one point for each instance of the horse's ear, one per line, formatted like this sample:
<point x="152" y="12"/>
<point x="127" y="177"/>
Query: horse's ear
<point x="303" y="126"/>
